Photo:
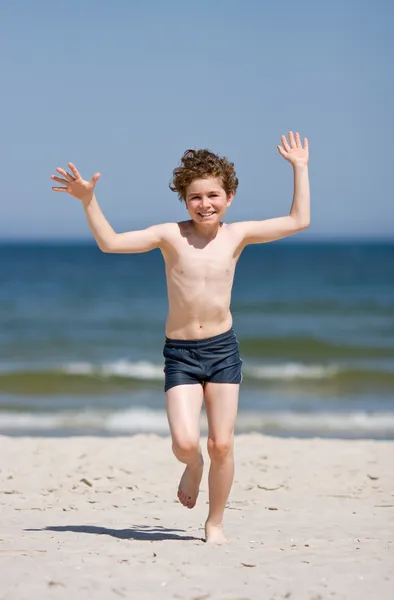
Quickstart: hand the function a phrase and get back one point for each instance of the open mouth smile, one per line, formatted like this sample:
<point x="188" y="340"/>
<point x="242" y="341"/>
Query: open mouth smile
<point x="206" y="215"/>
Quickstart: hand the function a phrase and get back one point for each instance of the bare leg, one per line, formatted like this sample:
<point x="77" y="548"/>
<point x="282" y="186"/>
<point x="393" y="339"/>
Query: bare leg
<point x="221" y="400"/>
<point x="184" y="404"/>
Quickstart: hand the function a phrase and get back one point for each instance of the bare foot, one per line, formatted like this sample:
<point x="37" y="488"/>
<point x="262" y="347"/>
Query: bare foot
<point x="214" y="534"/>
<point x="189" y="485"/>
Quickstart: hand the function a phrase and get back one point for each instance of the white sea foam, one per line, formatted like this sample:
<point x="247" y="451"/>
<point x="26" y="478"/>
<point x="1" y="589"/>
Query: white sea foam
<point x="150" y="371"/>
<point x="360" y="422"/>
<point x="141" y="419"/>
<point x="121" y="368"/>
<point x="291" y="371"/>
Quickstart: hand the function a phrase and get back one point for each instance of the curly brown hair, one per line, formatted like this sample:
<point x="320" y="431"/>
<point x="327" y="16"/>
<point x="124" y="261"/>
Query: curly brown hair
<point x="201" y="164"/>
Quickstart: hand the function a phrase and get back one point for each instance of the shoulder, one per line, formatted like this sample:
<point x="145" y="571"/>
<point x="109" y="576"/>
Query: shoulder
<point x="235" y="230"/>
<point x="164" y="230"/>
<point x="169" y="233"/>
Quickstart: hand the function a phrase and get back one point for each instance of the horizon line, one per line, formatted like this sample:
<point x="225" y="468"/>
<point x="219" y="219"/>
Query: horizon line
<point x="91" y="241"/>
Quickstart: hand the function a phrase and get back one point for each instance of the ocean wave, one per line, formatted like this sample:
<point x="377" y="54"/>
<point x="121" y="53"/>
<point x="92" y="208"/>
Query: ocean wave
<point x="121" y="368"/>
<point x="84" y="378"/>
<point x="291" y="371"/>
<point x="142" y="420"/>
<point x="149" y="371"/>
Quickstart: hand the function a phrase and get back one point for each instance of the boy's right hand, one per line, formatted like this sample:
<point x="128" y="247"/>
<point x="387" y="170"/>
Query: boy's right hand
<point x="75" y="185"/>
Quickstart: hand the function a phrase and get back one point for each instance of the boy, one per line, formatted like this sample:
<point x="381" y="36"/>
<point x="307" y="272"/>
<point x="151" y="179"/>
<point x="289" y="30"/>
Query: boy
<point x="201" y="351"/>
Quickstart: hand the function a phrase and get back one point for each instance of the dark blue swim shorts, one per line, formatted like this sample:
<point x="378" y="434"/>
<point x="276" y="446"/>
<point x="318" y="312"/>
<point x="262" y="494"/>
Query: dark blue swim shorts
<point x="215" y="359"/>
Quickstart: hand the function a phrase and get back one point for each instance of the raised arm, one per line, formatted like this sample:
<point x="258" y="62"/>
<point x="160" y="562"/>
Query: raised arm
<point x="256" y="232"/>
<point x="107" y="239"/>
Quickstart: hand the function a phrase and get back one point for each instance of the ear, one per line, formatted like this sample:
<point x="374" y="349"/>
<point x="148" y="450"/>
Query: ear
<point x="230" y="198"/>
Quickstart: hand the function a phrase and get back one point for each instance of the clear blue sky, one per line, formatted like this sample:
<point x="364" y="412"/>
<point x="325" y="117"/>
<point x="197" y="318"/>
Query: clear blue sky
<point x="125" y="87"/>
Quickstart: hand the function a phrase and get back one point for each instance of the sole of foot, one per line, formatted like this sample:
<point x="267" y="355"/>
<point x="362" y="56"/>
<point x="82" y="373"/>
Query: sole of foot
<point x="189" y="485"/>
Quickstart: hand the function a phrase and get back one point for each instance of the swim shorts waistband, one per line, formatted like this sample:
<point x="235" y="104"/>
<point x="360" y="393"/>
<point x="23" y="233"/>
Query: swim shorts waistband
<point x="222" y="337"/>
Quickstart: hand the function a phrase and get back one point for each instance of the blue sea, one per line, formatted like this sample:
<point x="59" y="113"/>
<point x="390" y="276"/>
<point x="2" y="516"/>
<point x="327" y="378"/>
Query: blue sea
<point x="82" y="332"/>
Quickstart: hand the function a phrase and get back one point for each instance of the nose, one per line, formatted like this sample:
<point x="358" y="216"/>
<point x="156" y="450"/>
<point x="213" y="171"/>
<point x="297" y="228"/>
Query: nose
<point x="204" y="201"/>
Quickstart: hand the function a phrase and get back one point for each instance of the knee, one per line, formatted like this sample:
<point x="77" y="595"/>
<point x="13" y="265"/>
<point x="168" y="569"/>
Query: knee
<point x="185" y="447"/>
<point x="220" y="449"/>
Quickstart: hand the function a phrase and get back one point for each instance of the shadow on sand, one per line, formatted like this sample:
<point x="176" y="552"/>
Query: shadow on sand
<point x="143" y="533"/>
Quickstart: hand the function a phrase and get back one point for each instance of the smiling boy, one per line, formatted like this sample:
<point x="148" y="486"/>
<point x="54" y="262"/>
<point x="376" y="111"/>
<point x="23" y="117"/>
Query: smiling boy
<point x="201" y="354"/>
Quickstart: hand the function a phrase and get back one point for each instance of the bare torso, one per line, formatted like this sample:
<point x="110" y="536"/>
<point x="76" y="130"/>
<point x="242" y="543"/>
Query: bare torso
<point x="200" y="276"/>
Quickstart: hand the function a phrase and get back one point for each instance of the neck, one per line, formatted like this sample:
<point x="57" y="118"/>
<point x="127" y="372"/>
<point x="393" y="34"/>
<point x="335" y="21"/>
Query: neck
<point x="207" y="232"/>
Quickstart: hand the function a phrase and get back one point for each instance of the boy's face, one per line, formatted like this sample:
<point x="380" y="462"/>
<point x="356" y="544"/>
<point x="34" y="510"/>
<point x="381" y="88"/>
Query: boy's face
<point x="207" y="201"/>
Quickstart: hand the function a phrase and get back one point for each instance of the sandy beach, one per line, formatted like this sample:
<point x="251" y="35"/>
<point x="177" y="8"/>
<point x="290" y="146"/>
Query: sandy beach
<point x="307" y="519"/>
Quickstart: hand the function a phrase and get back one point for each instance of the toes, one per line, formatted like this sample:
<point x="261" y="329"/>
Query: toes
<point x="184" y="499"/>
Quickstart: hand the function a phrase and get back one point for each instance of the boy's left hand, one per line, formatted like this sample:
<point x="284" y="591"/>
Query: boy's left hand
<point x="293" y="151"/>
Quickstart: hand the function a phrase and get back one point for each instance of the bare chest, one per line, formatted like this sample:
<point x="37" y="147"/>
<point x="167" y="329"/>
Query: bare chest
<point x="207" y="265"/>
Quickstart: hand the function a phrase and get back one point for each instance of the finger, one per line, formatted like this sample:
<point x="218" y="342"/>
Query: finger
<point x="306" y="145"/>
<point x="292" y="140"/>
<point x="95" y="179"/>
<point x="298" y="140"/>
<point x="282" y="151"/>
<point x="60" y="180"/>
<point x="285" y="144"/>
<point x="74" y="171"/>
<point x="65" y="174"/>
<point x="60" y="189"/>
